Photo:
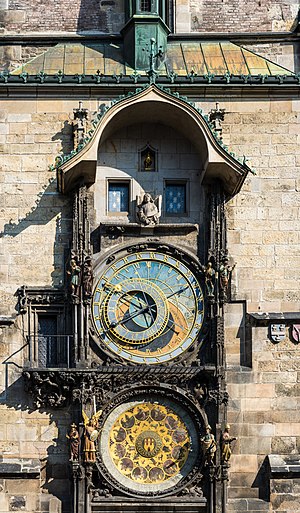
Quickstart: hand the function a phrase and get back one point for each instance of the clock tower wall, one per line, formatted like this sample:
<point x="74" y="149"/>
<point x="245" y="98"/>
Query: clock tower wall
<point x="123" y="178"/>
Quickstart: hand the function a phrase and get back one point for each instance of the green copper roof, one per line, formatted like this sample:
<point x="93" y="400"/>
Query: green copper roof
<point x="182" y="58"/>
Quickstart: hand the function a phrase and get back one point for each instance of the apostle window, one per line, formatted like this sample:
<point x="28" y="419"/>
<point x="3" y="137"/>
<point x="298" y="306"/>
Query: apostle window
<point x="175" y="198"/>
<point x="118" y="196"/>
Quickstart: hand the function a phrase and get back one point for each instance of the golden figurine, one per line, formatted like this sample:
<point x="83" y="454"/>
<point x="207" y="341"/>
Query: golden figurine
<point x="74" y="272"/>
<point x="148" y="162"/>
<point x="210" y="275"/>
<point x="91" y="434"/>
<point x="209" y="445"/>
<point x="226" y="440"/>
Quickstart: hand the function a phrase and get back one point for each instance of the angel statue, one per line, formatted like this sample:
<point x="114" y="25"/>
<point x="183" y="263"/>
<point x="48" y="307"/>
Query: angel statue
<point x="91" y="434"/>
<point x="148" y="209"/>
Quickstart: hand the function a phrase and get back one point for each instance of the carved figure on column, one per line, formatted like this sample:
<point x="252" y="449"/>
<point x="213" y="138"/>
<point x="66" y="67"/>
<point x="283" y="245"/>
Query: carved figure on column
<point x="74" y="273"/>
<point x="73" y="436"/>
<point x="209" y="445"/>
<point x="87" y="278"/>
<point x="148" y="211"/>
<point x="79" y="124"/>
<point x="210" y="276"/>
<point x="91" y="434"/>
<point x="226" y="441"/>
<point x="225" y="272"/>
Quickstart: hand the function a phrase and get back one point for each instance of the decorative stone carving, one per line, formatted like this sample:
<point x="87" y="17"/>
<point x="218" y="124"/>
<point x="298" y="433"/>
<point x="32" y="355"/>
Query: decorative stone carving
<point x="216" y="116"/>
<point x="79" y="124"/>
<point x="295" y="333"/>
<point x="210" y="277"/>
<point x="87" y="278"/>
<point x="148" y="209"/>
<point x="277" y="332"/>
<point x="225" y="272"/>
<point x="74" y="273"/>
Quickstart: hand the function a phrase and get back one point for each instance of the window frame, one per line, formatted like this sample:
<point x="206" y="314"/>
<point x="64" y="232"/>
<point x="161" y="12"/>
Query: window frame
<point x="125" y="181"/>
<point x="175" y="181"/>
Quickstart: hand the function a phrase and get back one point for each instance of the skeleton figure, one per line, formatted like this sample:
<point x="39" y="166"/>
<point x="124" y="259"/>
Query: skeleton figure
<point x="87" y="277"/>
<point x="225" y="272"/>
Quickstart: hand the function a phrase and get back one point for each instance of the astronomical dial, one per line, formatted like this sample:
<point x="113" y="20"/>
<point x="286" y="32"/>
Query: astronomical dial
<point x="148" y="307"/>
<point x="149" y="444"/>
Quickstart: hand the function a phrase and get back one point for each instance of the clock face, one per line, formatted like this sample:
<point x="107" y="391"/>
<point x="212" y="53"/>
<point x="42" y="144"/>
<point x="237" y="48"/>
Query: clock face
<point x="148" y="307"/>
<point x="149" y="444"/>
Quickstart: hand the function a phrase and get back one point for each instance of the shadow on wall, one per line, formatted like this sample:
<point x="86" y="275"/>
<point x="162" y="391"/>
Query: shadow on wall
<point x="48" y="205"/>
<point x="50" y="444"/>
<point x="101" y="15"/>
<point x="262" y="481"/>
<point x="92" y="17"/>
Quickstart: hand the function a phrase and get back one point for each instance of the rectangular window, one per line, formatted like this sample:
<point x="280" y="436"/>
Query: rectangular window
<point x="47" y="340"/>
<point x="175" y="198"/>
<point x="53" y="349"/>
<point x="147" y="6"/>
<point x="118" y="196"/>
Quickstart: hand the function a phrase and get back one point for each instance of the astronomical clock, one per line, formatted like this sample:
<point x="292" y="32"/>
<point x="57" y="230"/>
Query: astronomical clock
<point x="148" y="306"/>
<point x="147" y="317"/>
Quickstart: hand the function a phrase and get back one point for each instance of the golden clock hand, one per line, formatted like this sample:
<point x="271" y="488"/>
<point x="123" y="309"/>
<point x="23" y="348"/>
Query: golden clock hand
<point x="177" y="292"/>
<point x="117" y="289"/>
<point x="138" y="312"/>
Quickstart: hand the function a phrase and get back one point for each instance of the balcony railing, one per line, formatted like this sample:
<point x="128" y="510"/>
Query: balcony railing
<point x="50" y="351"/>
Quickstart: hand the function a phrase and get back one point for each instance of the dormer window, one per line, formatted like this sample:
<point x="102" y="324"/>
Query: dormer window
<point x="147" y="6"/>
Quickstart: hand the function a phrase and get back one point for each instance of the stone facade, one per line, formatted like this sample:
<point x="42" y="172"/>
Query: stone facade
<point x="36" y="230"/>
<point x="264" y="392"/>
<point x="103" y="16"/>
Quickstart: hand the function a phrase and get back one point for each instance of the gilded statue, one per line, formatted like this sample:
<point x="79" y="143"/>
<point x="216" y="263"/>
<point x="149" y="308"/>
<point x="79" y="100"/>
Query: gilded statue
<point x="209" y="445"/>
<point x="74" y="273"/>
<point x="148" y="162"/>
<point x="91" y="433"/>
<point x="210" y="275"/>
<point x="226" y="441"/>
